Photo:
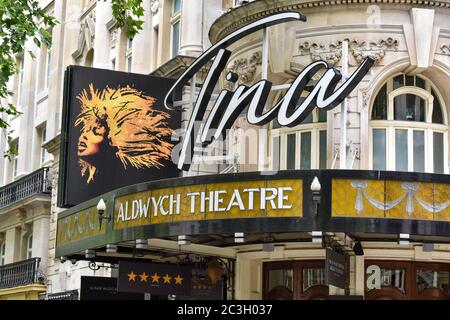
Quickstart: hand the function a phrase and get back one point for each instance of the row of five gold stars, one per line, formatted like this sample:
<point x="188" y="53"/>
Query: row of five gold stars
<point x="155" y="278"/>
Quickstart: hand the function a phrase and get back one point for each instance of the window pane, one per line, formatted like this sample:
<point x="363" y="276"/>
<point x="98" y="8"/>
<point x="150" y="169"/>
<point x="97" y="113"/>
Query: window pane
<point x="419" y="150"/>
<point x="409" y="107"/>
<point x="379" y="149"/>
<point x="290" y="156"/>
<point x="276" y="153"/>
<point x="281" y="277"/>
<point x="322" y="115"/>
<point x="175" y="38"/>
<point x="437" y="110"/>
<point x="401" y="150"/>
<point x="438" y="152"/>
<point x="176" y="6"/>
<point x="420" y="82"/>
<point x="47" y="69"/>
<point x="409" y="81"/>
<point x="309" y="117"/>
<point x="323" y="149"/>
<point x="313" y="277"/>
<point x="275" y="124"/>
<point x="398" y="81"/>
<point x="393" y="278"/>
<point x="432" y="279"/>
<point x="129" y="63"/>
<point x="305" y="150"/>
<point x="379" y="110"/>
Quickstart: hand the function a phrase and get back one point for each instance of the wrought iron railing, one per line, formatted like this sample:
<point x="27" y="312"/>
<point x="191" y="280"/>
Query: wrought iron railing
<point x="37" y="182"/>
<point x="21" y="274"/>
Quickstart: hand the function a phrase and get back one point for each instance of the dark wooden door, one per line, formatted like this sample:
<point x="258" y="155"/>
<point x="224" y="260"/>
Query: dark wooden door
<point x="294" y="280"/>
<point x="401" y="280"/>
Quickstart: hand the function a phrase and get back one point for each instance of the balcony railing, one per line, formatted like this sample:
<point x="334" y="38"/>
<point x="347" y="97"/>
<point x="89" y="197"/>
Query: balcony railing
<point x="21" y="274"/>
<point x="38" y="182"/>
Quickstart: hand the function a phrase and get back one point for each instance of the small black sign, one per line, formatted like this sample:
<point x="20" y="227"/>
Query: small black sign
<point x="203" y="289"/>
<point x="154" y="278"/>
<point x="335" y="269"/>
<point x="102" y="288"/>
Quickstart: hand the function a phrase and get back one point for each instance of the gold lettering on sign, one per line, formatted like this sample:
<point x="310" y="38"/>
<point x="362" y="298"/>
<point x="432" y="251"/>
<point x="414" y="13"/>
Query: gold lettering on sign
<point x="249" y="199"/>
<point x="78" y="226"/>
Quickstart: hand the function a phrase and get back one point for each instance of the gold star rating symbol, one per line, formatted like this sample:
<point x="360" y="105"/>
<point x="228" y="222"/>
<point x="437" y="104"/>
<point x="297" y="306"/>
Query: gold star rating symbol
<point x="144" y="277"/>
<point x="167" y="278"/>
<point x="178" y="279"/>
<point x="155" y="278"/>
<point x="132" y="276"/>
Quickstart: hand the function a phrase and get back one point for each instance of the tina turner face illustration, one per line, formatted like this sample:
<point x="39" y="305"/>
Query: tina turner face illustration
<point x="120" y="122"/>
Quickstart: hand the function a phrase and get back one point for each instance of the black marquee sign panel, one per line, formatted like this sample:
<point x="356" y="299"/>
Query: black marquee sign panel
<point x="116" y="132"/>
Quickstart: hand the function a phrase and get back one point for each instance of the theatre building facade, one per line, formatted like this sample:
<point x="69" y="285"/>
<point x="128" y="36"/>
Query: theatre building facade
<point x="272" y="210"/>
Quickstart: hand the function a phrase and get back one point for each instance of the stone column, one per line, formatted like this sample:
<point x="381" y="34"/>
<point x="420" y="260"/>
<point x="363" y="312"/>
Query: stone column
<point x="142" y="43"/>
<point x="360" y="275"/>
<point x="41" y="227"/>
<point x="12" y="239"/>
<point x="191" y="27"/>
<point x="103" y="12"/>
<point x="164" y="33"/>
<point x="26" y="131"/>
<point x="53" y="264"/>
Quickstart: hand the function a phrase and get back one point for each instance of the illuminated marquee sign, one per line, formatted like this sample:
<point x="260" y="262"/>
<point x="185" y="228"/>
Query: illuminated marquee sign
<point x="230" y="104"/>
<point x="81" y="225"/>
<point x="250" y="199"/>
<point x="391" y="199"/>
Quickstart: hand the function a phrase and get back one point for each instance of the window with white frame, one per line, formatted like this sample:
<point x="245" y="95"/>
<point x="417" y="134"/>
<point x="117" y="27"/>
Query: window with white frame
<point x="14" y="147"/>
<point x="408" y="127"/>
<point x="175" y="31"/>
<point x="303" y="146"/>
<point x="20" y="77"/>
<point x="43" y="136"/>
<point x="43" y="69"/>
<point x="2" y="253"/>
<point x="129" y="54"/>
<point x="47" y="68"/>
<point x="30" y="246"/>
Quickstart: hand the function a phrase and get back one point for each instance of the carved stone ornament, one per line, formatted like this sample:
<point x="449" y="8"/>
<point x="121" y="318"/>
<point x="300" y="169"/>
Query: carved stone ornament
<point x="86" y="37"/>
<point x="245" y="68"/>
<point x="445" y="49"/>
<point x="359" y="50"/>
<point x="365" y="94"/>
<point x="375" y="50"/>
<point x="113" y="38"/>
<point x="154" y="6"/>
<point x="331" y="53"/>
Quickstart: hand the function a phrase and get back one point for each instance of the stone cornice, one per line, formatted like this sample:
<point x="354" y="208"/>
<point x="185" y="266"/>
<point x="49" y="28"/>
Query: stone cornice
<point x="53" y="146"/>
<point x="176" y="66"/>
<point x="258" y="9"/>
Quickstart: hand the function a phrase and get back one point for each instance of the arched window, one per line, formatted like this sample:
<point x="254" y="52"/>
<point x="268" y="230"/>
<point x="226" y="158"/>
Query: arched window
<point x="408" y="131"/>
<point x="303" y="146"/>
<point x="30" y="246"/>
<point x="2" y="253"/>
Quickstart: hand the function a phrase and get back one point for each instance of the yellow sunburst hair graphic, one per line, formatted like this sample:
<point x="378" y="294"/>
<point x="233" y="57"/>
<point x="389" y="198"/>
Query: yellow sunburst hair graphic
<point x="136" y="131"/>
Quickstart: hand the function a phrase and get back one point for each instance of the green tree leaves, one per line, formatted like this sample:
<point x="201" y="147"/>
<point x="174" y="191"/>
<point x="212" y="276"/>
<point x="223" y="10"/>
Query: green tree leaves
<point x="20" y="20"/>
